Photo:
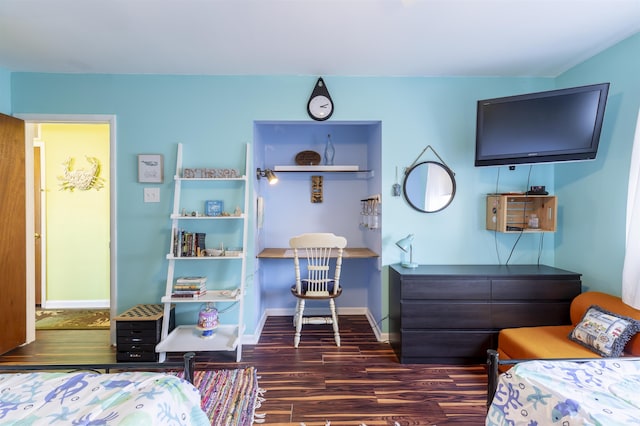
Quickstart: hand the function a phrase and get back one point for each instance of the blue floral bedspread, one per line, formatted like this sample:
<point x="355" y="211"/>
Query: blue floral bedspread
<point x="86" y="398"/>
<point x="600" y="392"/>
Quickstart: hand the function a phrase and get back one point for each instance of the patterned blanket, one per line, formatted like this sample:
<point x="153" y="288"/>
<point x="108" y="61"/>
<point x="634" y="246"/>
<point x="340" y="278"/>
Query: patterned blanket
<point x="600" y="392"/>
<point x="86" y="398"/>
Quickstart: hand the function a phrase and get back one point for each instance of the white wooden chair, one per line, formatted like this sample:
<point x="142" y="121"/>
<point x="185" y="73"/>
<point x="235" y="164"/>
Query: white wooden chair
<point x="320" y="284"/>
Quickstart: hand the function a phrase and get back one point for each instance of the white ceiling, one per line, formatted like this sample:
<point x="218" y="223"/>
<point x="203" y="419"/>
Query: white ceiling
<point x="311" y="37"/>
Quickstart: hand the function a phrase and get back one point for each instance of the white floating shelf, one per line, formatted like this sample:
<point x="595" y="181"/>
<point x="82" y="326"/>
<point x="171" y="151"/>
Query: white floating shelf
<point x="188" y="338"/>
<point x="183" y="217"/>
<point x="209" y="296"/>
<point x="320" y="168"/>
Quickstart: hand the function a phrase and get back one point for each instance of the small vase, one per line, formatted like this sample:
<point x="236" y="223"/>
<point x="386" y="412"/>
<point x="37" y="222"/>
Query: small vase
<point x="329" y="152"/>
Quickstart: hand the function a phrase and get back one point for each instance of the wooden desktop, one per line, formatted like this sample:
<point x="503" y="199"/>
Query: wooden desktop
<point x="287" y="253"/>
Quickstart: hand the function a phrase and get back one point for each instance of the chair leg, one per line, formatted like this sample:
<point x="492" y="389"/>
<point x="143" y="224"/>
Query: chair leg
<point x="298" y="321"/>
<point x="334" y="317"/>
<point x="295" y="314"/>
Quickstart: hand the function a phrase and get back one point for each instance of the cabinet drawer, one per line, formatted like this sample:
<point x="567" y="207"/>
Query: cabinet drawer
<point x="137" y="339"/>
<point x="136" y="347"/>
<point x="445" y="315"/>
<point x="530" y="314"/>
<point x="446" y="289"/>
<point x="540" y="289"/>
<point x="137" y="356"/>
<point x="446" y="344"/>
<point x="139" y="325"/>
<point x="145" y="334"/>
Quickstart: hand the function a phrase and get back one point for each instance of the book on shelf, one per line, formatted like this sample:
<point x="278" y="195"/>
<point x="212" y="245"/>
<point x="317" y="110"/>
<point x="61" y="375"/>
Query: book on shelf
<point x="189" y="289"/>
<point x="188" y="244"/>
<point x="191" y="280"/>
<point x="188" y="294"/>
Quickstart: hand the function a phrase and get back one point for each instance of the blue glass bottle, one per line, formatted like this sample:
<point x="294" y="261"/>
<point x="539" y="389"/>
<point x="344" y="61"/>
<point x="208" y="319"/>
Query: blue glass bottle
<point x="329" y="152"/>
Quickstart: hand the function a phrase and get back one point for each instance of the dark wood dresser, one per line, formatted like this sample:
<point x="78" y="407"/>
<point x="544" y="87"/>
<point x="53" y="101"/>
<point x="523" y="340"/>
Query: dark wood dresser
<point x="138" y="332"/>
<point x="451" y="314"/>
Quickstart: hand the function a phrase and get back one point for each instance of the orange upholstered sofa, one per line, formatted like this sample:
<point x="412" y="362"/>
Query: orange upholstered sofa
<point x="547" y="342"/>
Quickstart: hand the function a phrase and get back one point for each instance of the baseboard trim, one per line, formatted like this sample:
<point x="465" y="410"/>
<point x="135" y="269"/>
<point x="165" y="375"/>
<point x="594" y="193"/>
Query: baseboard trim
<point x="76" y="304"/>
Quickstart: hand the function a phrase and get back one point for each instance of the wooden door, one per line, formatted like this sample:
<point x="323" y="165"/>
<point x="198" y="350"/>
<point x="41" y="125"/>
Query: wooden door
<point x="37" y="215"/>
<point x="13" y="267"/>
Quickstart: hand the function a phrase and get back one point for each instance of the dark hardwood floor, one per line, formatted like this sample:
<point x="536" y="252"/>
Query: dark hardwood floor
<point x="359" y="382"/>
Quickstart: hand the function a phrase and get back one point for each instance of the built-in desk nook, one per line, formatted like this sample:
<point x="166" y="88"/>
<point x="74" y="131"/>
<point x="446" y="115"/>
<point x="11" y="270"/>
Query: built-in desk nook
<point x="452" y="313"/>
<point x="328" y="195"/>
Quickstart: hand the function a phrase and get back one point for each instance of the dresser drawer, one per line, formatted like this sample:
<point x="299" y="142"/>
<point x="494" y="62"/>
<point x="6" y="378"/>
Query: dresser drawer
<point x="448" y="343"/>
<point x="420" y="314"/>
<point x="445" y="289"/>
<point x="530" y="314"/>
<point x="541" y="290"/>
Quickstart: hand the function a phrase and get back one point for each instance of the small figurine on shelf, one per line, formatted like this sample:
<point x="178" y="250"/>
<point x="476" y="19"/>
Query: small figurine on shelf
<point x="207" y="321"/>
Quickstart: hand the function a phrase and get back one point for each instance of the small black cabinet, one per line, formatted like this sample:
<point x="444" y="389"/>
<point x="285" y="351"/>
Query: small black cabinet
<point x="138" y="332"/>
<point x="451" y="314"/>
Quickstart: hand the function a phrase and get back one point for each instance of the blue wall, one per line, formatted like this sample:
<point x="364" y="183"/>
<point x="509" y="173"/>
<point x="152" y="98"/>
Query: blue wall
<point x="594" y="194"/>
<point x="214" y="117"/>
<point x="5" y="91"/>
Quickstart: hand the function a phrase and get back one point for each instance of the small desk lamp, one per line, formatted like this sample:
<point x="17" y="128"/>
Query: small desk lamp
<point x="406" y="245"/>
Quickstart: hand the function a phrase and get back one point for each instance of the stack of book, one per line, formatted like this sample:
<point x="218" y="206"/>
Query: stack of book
<point x="189" y="287"/>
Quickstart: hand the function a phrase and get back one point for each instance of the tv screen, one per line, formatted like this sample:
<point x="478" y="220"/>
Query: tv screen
<point x="557" y="125"/>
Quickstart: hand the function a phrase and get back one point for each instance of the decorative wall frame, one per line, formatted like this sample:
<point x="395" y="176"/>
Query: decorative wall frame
<point x="150" y="168"/>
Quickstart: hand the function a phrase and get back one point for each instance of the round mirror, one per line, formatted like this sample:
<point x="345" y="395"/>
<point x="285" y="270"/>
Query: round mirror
<point x="429" y="186"/>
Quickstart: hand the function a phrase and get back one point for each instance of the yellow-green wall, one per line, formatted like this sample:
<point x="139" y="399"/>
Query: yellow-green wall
<point x="77" y="223"/>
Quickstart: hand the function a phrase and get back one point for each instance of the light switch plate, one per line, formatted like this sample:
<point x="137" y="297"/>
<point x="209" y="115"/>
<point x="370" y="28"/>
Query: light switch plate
<point x="151" y="195"/>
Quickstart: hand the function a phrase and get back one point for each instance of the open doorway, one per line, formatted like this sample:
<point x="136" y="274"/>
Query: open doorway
<point x="77" y="232"/>
<point x="72" y="163"/>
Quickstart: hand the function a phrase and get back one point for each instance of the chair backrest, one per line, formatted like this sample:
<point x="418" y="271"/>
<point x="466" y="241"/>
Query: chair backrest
<point x="318" y="249"/>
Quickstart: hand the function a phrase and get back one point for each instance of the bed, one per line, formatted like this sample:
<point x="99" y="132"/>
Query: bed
<point x="601" y="391"/>
<point x="135" y="394"/>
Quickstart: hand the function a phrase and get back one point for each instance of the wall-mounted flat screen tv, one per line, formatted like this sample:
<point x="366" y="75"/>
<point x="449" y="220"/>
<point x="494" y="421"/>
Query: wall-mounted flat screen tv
<point x="552" y="126"/>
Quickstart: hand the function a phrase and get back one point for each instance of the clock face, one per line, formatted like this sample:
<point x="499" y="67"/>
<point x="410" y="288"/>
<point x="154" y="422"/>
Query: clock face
<point x="320" y="107"/>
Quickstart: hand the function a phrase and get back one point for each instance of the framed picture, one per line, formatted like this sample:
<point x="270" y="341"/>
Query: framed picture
<point x="150" y="168"/>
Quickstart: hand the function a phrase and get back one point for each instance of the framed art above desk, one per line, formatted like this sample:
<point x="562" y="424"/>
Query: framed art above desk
<point x="287" y="253"/>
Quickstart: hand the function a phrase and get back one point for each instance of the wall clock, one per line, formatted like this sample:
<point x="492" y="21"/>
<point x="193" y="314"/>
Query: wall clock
<point x="320" y="106"/>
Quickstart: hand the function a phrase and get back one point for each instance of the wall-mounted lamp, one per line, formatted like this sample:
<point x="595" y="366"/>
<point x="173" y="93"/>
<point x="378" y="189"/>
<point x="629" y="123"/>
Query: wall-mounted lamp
<point x="406" y="245"/>
<point x="271" y="177"/>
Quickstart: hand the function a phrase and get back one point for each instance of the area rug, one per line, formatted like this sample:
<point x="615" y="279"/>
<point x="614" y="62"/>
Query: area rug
<point x="230" y="397"/>
<point x="72" y="319"/>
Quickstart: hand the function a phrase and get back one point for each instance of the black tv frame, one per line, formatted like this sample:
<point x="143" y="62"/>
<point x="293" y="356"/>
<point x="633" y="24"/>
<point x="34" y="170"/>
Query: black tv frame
<point x="547" y="156"/>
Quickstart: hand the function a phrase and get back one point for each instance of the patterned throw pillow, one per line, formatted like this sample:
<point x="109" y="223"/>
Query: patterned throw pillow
<point x="604" y="332"/>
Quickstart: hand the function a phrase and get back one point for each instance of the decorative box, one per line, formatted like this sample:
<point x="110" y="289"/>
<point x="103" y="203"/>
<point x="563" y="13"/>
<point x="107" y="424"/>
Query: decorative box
<point x="213" y="207"/>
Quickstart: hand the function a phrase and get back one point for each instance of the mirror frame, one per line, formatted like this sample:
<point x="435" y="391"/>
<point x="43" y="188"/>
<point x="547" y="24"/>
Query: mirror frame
<point x="446" y="169"/>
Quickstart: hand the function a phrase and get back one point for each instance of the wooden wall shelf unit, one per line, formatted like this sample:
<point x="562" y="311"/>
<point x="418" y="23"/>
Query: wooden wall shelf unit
<point x="452" y="314"/>
<point x="511" y="212"/>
